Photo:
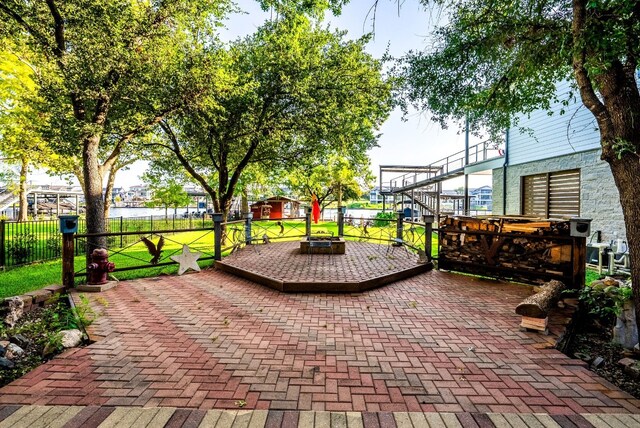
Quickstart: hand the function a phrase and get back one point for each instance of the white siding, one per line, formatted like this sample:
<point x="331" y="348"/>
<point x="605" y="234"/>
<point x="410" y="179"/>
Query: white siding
<point x="545" y="136"/>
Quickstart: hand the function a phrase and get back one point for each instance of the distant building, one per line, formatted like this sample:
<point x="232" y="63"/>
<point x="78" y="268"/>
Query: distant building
<point x="375" y="197"/>
<point x="481" y="198"/>
<point x="275" y="207"/>
<point x="139" y="192"/>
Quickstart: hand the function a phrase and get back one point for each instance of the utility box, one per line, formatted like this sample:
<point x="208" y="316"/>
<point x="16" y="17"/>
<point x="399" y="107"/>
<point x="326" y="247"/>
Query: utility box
<point x="68" y="223"/>
<point x="580" y="227"/>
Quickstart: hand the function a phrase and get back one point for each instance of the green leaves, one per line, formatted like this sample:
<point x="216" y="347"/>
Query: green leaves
<point x="290" y="92"/>
<point x="490" y="61"/>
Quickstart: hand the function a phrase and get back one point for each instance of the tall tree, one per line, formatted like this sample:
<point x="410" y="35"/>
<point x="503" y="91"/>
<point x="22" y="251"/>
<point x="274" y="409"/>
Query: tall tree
<point x="111" y="69"/>
<point x="20" y="140"/>
<point x="337" y="178"/>
<point x="495" y="58"/>
<point x="166" y="191"/>
<point x="280" y="96"/>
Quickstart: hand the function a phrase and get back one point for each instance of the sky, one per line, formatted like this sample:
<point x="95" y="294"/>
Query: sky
<point x="410" y="140"/>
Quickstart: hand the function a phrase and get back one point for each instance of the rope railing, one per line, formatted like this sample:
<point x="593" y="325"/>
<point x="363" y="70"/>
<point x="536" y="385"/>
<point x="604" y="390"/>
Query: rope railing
<point x="227" y="237"/>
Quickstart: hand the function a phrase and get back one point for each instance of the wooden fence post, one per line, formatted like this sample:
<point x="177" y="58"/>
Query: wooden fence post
<point x="247" y="228"/>
<point x="341" y="212"/>
<point x="217" y="236"/>
<point x="428" y="234"/>
<point x="3" y="256"/>
<point x="400" y="225"/>
<point x="68" y="227"/>
<point x="68" y="268"/>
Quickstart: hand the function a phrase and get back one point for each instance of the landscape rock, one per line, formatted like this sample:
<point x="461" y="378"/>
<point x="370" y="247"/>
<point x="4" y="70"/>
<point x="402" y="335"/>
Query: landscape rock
<point x="626" y="362"/>
<point x="71" y="338"/>
<point x="19" y="340"/>
<point x="14" y="351"/>
<point x="3" y="351"/>
<point x="633" y="369"/>
<point x="15" y="309"/>
<point x="6" y="364"/>
<point x="625" y="332"/>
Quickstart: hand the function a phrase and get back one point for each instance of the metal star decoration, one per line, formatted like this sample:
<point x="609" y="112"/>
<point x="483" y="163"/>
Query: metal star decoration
<point x="187" y="260"/>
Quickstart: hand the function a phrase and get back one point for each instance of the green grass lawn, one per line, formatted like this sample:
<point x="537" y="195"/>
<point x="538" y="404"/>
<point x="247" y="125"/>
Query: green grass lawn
<point x="23" y="279"/>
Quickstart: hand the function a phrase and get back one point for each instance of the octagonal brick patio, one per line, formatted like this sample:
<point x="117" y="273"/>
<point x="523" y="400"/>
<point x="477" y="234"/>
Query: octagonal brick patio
<point x="283" y="267"/>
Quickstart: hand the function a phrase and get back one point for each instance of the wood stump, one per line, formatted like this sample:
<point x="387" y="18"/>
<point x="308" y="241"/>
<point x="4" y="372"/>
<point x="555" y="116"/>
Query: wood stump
<point x="538" y="305"/>
<point x="535" y="309"/>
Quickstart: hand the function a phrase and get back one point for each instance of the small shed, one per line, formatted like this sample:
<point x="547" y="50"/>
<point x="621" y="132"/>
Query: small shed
<point x="275" y="207"/>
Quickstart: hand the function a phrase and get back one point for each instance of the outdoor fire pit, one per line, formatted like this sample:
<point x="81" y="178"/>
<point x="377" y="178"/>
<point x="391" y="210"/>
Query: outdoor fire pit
<point x="322" y="245"/>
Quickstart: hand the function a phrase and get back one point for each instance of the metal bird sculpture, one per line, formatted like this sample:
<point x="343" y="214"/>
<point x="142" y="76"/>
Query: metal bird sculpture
<point x="154" y="250"/>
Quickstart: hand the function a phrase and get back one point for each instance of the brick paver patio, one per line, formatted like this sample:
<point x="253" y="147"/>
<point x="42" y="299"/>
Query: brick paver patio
<point x="437" y="342"/>
<point x="281" y="266"/>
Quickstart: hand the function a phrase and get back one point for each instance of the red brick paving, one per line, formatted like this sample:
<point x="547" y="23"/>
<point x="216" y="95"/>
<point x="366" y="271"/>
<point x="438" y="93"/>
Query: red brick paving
<point x="283" y="261"/>
<point x="436" y="342"/>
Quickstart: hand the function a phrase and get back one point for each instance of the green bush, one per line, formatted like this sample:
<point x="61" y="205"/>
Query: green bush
<point x="54" y="246"/>
<point x="380" y="220"/>
<point x="605" y="302"/>
<point x="21" y="247"/>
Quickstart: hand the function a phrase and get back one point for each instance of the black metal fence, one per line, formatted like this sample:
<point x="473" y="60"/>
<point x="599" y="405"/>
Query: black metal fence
<point x="40" y="240"/>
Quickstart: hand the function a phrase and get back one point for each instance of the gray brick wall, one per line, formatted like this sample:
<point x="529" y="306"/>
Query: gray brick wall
<point x="599" y="199"/>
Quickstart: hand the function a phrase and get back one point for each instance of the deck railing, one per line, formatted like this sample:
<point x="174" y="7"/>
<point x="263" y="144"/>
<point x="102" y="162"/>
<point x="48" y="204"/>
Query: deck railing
<point x="446" y="166"/>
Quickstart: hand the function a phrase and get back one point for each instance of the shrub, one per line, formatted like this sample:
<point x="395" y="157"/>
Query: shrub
<point x="21" y="247"/>
<point x="605" y="302"/>
<point x="380" y="219"/>
<point x="54" y="246"/>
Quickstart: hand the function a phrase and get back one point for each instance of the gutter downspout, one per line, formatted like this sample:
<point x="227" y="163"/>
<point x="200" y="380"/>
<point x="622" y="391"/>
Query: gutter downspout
<point x="467" y="208"/>
<point x="504" y="172"/>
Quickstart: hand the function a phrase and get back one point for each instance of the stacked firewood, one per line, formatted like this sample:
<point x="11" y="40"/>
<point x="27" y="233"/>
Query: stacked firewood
<point x="503" y="224"/>
<point x="517" y="243"/>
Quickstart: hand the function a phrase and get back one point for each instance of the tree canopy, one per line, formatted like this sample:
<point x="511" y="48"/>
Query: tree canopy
<point x="109" y="70"/>
<point x="284" y="94"/>
<point x="21" y="121"/>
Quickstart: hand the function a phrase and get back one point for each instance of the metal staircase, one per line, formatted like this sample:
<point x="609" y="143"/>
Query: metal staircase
<point x="421" y="186"/>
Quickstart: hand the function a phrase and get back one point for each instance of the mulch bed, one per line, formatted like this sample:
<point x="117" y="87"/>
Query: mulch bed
<point x="593" y="341"/>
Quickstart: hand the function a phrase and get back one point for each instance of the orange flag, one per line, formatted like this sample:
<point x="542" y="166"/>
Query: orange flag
<point x="315" y="208"/>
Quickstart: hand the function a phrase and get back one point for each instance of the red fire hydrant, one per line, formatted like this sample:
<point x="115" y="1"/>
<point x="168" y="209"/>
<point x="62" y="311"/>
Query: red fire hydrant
<point x="99" y="267"/>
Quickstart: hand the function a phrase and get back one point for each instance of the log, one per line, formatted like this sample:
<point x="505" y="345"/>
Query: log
<point x="538" y="305"/>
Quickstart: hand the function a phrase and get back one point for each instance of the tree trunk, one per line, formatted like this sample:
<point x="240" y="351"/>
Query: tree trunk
<point x="617" y="112"/>
<point x="626" y="173"/>
<point x="245" y="201"/>
<point x="108" y="192"/>
<point x="22" y="189"/>
<point x="93" y="193"/>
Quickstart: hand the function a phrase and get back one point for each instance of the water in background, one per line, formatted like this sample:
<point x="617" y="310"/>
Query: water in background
<point x="327" y="214"/>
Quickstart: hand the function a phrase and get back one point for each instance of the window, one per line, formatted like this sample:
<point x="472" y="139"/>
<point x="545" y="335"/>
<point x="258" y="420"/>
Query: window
<point x="552" y="195"/>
